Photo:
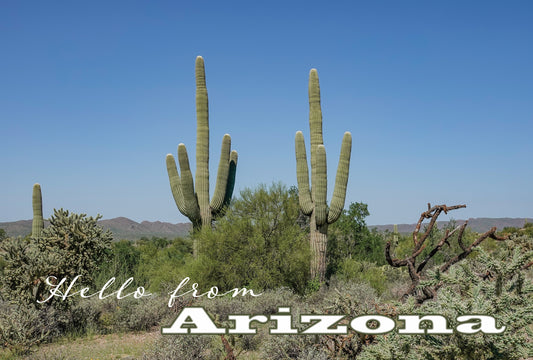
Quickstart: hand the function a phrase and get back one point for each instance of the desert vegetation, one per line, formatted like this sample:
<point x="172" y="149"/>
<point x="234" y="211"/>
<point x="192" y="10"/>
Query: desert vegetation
<point x="262" y="244"/>
<point x="69" y="281"/>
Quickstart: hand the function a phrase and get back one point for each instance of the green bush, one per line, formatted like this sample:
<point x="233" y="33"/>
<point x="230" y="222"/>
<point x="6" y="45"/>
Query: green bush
<point x="350" y="238"/>
<point x="505" y="293"/>
<point x="163" y="263"/>
<point x="258" y="244"/>
<point x="190" y="347"/>
<point x="22" y="327"/>
<point x="123" y="262"/>
<point x="363" y="271"/>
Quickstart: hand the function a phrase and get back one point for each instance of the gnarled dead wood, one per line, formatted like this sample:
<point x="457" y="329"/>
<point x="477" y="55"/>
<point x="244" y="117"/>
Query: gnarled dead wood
<point x="419" y="244"/>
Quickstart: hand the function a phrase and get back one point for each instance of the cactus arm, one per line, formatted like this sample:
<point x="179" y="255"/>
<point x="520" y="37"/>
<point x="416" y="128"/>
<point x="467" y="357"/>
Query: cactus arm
<point x="192" y="210"/>
<point x="315" y="123"/>
<point x="175" y="184"/>
<point x="222" y="176"/>
<point x="192" y="195"/>
<point x="37" y="202"/>
<point x="302" y="175"/>
<point x="202" y="143"/>
<point x="230" y="185"/>
<point x="321" y="209"/>
<point x="341" y="180"/>
<point x="315" y="112"/>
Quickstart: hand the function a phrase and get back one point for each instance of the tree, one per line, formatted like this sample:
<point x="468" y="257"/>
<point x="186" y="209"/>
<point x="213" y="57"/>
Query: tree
<point x="258" y="244"/>
<point x="162" y="261"/>
<point x="351" y="238"/>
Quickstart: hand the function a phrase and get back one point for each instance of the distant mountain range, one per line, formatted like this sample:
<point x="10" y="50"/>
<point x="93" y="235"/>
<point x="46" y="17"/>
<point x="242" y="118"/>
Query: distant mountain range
<point x="479" y="225"/>
<point x="124" y="228"/>
<point x="121" y="227"/>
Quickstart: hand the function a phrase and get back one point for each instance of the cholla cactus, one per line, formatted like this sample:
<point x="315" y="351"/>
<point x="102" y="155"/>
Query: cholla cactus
<point x="191" y="202"/>
<point x="37" y="202"/>
<point x="313" y="201"/>
<point x="416" y="269"/>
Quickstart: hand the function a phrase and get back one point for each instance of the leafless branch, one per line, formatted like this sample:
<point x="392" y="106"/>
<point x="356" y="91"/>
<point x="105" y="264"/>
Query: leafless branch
<point x="415" y="272"/>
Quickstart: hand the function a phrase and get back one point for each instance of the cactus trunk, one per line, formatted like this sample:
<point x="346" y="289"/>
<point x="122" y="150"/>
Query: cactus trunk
<point x="194" y="202"/>
<point x="319" y="241"/>
<point x="38" y="223"/>
<point x="313" y="200"/>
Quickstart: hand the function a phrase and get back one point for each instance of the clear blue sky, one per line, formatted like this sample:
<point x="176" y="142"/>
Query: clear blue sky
<point x="438" y="97"/>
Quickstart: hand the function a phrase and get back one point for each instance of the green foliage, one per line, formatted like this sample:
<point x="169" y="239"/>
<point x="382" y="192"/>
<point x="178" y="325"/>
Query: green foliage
<point x="258" y="244"/>
<point x="364" y="271"/>
<point x="22" y="327"/>
<point x="3" y="236"/>
<point x="122" y="264"/>
<point x="72" y="245"/>
<point x="404" y="247"/>
<point x="191" y="202"/>
<point x="526" y="230"/>
<point x="24" y="267"/>
<point x="162" y="262"/>
<point x="505" y="294"/>
<point x="350" y="238"/>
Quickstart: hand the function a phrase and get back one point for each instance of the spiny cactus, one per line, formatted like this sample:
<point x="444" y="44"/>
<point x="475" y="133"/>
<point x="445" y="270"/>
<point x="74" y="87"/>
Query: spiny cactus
<point x="191" y="202"/>
<point x="395" y="236"/>
<point x="37" y="202"/>
<point x="313" y="201"/>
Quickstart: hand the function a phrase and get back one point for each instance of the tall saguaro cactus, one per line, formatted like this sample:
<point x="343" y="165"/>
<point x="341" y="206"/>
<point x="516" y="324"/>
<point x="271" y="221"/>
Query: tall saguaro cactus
<point x="37" y="224"/>
<point x="191" y="202"/>
<point x="313" y="201"/>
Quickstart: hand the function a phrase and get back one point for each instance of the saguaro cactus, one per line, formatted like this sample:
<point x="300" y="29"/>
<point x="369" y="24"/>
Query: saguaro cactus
<point x="191" y="202"/>
<point x="313" y="201"/>
<point x="37" y="224"/>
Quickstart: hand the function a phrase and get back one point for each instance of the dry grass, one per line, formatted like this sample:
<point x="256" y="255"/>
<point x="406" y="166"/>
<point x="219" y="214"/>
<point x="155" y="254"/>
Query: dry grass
<point x="97" y="347"/>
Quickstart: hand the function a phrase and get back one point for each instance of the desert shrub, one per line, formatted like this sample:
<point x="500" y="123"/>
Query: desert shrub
<point x="24" y="267"/>
<point x="123" y="262"/>
<point x="162" y="262"/>
<point x="270" y="300"/>
<point x="109" y="315"/>
<point x="388" y="282"/>
<point x="22" y="327"/>
<point x="85" y="316"/>
<point x="281" y="347"/>
<point x="72" y="245"/>
<point x="258" y="244"/>
<point x="363" y="271"/>
<point x="190" y="347"/>
<point x="3" y="236"/>
<point x="350" y="238"/>
<point x="140" y="314"/>
<point x="490" y="285"/>
<point x="350" y="298"/>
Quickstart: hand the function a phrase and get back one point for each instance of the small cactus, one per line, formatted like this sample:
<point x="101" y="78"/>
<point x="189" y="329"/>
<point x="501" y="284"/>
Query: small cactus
<point x="38" y="223"/>
<point x="191" y="202"/>
<point x="313" y="201"/>
<point x="395" y="235"/>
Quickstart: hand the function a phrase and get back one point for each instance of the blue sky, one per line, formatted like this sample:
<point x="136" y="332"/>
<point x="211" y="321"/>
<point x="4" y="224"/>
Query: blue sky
<point x="437" y="95"/>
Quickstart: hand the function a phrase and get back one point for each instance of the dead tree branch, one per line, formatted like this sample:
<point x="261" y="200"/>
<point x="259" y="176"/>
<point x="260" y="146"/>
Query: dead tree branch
<point x="419" y="244"/>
